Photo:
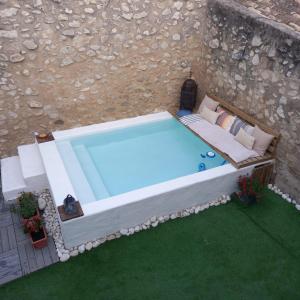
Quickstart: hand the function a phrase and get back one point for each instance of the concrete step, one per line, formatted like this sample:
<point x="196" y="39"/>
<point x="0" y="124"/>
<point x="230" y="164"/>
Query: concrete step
<point x="32" y="167"/>
<point x="12" y="178"/>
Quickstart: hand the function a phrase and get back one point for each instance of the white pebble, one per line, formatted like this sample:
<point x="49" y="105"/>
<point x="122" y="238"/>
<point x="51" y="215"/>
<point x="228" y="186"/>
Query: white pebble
<point x="88" y="246"/>
<point x="124" y="231"/>
<point x="64" y="257"/>
<point x="111" y="237"/>
<point x="96" y="244"/>
<point x="74" y="253"/>
<point x="154" y="224"/>
<point x="131" y="230"/>
<point x="42" y="203"/>
<point x="153" y="219"/>
<point x="81" y="248"/>
<point x="173" y="216"/>
<point x="161" y="219"/>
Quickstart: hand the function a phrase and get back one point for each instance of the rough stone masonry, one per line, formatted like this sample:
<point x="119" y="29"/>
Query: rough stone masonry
<point x="67" y="63"/>
<point x="255" y="63"/>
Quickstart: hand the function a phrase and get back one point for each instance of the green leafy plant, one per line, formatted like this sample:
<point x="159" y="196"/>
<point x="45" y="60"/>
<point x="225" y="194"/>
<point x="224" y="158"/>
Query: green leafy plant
<point x="26" y="205"/>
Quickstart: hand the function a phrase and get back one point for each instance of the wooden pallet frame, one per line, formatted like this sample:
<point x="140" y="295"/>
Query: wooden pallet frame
<point x="270" y="152"/>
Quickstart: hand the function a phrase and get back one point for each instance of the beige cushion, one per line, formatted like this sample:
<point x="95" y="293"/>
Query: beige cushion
<point x="245" y="139"/>
<point x="262" y="140"/>
<point x="209" y="115"/>
<point x="209" y="103"/>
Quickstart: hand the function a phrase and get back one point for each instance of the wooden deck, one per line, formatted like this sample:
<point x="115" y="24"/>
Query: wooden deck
<point x="17" y="256"/>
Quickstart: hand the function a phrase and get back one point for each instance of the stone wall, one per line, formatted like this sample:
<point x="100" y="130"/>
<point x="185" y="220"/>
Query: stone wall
<point x="253" y="62"/>
<point x="69" y="63"/>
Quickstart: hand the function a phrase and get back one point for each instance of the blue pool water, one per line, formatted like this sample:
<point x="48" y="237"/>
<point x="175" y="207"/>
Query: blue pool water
<point x="122" y="160"/>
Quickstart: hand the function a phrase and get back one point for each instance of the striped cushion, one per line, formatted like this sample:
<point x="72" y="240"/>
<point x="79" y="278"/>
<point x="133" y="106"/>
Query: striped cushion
<point x="225" y="119"/>
<point x="238" y="124"/>
<point x="190" y="119"/>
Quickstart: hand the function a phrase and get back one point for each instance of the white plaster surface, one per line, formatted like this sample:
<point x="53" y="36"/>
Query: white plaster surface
<point x="12" y="179"/>
<point x="59" y="182"/>
<point x="32" y="167"/>
<point x="96" y="128"/>
<point x="108" y="216"/>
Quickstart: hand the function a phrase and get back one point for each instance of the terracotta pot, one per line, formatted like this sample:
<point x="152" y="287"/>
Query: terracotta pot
<point x="39" y="240"/>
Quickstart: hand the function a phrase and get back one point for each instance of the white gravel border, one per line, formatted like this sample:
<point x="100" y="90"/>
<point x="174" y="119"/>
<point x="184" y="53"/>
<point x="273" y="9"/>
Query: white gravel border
<point x="284" y="196"/>
<point x="53" y="227"/>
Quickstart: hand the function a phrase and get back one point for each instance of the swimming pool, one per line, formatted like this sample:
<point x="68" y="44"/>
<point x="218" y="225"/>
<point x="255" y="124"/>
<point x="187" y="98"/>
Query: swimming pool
<point x="122" y="160"/>
<point x="124" y="172"/>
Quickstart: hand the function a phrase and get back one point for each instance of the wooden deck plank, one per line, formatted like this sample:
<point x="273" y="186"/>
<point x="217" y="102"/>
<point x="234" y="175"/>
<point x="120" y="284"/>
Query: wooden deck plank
<point x="23" y="258"/>
<point x="52" y="250"/>
<point x="39" y="258"/>
<point x="19" y="232"/>
<point x="47" y="256"/>
<point x="5" y="218"/>
<point x="30" y="256"/>
<point x="11" y="237"/>
<point x="4" y="239"/>
<point x="15" y="218"/>
<point x="10" y="266"/>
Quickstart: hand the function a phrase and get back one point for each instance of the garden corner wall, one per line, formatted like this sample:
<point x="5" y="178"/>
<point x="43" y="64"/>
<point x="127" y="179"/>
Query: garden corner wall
<point x="66" y="63"/>
<point x="253" y="62"/>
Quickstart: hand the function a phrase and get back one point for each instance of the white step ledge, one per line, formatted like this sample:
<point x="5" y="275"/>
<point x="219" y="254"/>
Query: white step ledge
<point x="12" y="178"/>
<point x="32" y="167"/>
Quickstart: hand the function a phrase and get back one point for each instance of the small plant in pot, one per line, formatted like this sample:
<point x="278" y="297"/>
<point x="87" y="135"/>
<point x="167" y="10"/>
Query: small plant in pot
<point x="26" y="206"/>
<point x="34" y="226"/>
<point x="250" y="190"/>
<point x="31" y="219"/>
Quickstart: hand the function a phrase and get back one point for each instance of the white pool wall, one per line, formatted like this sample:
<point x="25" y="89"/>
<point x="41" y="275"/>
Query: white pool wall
<point x="112" y="215"/>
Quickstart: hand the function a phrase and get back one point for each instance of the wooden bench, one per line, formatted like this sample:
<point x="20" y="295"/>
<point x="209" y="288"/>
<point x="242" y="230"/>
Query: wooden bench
<point x="270" y="152"/>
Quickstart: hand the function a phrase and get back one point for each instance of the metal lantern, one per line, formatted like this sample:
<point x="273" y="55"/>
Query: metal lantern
<point x="70" y="207"/>
<point x="188" y="95"/>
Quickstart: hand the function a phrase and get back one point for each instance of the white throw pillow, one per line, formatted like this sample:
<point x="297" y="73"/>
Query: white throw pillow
<point x="209" y="115"/>
<point x="209" y="103"/>
<point x="245" y="139"/>
<point x="262" y="140"/>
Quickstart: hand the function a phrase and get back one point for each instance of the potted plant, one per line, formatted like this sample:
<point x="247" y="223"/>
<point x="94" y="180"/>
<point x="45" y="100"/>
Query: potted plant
<point x="31" y="219"/>
<point x="250" y="190"/>
<point x="34" y="226"/>
<point x="26" y="206"/>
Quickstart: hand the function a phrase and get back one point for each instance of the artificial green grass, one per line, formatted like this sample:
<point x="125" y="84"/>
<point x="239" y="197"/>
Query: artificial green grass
<point x="225" y="252"/>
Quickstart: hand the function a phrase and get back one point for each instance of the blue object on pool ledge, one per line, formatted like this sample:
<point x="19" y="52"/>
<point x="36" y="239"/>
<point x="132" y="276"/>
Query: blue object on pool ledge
<point x="201" y="167"/>
<point x="183" y="112"/>
<point x="203" y="156"/>
<point x="210" y="154"/>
